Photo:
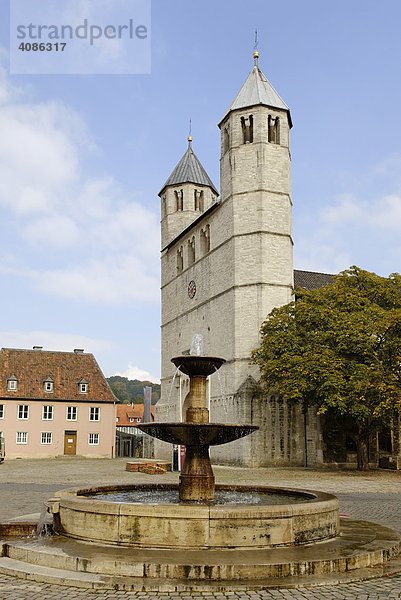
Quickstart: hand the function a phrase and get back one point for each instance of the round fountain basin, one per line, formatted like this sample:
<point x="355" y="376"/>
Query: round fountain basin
<point x="156" y="525"/>
<point x="198" y="366"/>
<point x="197" y="434"/>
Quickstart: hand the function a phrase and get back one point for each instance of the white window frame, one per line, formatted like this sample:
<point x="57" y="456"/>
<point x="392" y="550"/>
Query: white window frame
<point x="51" y="387"/>
<point x="73" y="409"/>
<point x="21" y="437"/>
<point x="83" y="388"/>
<point x="2" y="411"/>
<point x="93" y="439"/>
<point x="94" y="411"/>
<point x="12" y="385"/>
<point x="45" y="416"/>
<point x="45" y="440"/>
<point x="22" y="410"/>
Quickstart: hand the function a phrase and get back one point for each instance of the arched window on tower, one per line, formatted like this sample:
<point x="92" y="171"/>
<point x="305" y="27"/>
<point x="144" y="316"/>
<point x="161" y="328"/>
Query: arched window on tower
<point x="247" y="129"/>
<point x="205" y="240"/>
<point x="226" y="140"/>
<point x="180" y="259"/>
<point x="191" y="251"/>
<point x="274" y="130"/>
<point x="198" y="200"/>
<point x="179" y="200"/>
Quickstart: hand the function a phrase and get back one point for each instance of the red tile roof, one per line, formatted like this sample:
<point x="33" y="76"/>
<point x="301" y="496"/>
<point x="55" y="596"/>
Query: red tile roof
<point x="32" y="367"/>
<point x="125" y="412"/>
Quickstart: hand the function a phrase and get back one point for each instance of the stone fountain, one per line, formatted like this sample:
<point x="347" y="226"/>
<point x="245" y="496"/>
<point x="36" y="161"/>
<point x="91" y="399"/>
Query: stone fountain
<point x="196" y="433"/>
<point x="197" y="535"/>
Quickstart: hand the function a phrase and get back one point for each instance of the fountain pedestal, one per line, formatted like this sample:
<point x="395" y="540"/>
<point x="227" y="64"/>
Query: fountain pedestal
<point x="197" y="479"/>
<point x="197" y="411"/>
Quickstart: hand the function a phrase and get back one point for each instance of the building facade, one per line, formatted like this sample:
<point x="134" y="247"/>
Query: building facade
<point x="131" y="441"/>
<point x="55" y="404"/>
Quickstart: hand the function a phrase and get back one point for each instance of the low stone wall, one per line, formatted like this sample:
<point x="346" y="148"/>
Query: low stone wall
<point x="196" y="526"/>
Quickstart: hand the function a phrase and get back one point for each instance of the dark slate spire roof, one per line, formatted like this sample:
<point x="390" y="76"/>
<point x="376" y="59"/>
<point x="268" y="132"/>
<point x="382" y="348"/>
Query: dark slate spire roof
<point x="189" y="170"/>
<point x="257" y="90"/>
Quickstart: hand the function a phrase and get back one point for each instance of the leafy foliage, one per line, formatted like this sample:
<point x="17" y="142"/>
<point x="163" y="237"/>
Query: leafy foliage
<point x="131" y="390"/>
<point x="339" y="348"/>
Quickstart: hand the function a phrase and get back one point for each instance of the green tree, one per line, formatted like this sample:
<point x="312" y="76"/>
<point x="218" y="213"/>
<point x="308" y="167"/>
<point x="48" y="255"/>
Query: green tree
<point x="119" y="389"/>
<point x="131" y="390"/>
<point x="338" y="348"/>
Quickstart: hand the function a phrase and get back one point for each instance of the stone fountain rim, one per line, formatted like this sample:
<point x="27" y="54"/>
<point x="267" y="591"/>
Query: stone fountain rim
<point x="315" y="501"/>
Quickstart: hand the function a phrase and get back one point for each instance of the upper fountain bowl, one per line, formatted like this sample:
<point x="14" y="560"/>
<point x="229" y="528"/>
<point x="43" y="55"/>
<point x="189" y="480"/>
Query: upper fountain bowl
<point x="198" y="366"/>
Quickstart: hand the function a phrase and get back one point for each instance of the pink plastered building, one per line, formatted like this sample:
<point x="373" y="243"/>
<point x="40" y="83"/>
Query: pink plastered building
<point x="54" y="404"/>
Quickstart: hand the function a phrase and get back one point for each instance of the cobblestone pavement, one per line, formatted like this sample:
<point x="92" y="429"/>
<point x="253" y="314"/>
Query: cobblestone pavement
<point x="375" y="496"/>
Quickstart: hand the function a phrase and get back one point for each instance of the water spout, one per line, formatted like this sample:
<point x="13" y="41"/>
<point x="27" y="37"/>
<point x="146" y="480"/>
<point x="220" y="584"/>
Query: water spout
<point x="171" y="390"/>
<point x="44" y="528"/>
<point x="197" y="345"/>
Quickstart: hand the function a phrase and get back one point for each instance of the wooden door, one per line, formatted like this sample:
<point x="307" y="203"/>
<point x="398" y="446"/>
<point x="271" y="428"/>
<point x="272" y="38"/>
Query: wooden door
<point x="70" y="442"/>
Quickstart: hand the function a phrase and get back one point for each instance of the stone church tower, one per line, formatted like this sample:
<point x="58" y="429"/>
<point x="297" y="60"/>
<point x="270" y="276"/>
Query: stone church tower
<point x="226" y="263"/>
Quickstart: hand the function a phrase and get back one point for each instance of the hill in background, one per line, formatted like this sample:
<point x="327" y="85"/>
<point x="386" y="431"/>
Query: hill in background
<point x="131" y="390"/>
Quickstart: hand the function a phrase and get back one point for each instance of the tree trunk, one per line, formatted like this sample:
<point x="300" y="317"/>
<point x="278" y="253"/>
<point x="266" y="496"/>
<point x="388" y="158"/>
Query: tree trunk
<point x="362" y="453"/>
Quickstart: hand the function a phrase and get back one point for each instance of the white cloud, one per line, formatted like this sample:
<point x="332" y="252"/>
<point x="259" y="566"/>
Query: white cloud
<point x="104" y="243"/>
<point x="358" y="227"/>
<point x="381" y="213"/>
<point x="111" y="281"/>
<point x="133" y="372"/>
<point x="58" y="231"/>
<point x="64" y="342"/>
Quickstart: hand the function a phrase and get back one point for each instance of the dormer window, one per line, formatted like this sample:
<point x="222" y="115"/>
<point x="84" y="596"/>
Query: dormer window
<point x="12" y="384"/>
<point x="48" y="385"/>
<point x="83" y="386"/>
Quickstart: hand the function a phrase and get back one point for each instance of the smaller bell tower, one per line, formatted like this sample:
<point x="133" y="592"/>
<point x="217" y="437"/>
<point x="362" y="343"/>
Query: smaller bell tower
<point x="187" y="193"/>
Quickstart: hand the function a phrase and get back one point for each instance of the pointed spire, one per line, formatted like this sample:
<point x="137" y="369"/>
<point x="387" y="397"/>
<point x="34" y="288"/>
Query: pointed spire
<point x="189" y="170"/>
<point x="257" y="90"/>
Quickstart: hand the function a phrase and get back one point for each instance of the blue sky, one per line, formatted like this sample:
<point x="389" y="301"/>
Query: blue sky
<point x="83" y="157"/>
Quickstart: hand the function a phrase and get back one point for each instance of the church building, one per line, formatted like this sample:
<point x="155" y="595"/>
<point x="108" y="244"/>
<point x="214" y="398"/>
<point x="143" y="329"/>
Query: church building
<point x="227" y="261"/>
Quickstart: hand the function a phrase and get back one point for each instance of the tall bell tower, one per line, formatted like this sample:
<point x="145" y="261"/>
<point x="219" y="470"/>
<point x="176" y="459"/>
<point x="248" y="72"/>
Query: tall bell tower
<point x="226" y="264"/>
<point x="256" y="189"/>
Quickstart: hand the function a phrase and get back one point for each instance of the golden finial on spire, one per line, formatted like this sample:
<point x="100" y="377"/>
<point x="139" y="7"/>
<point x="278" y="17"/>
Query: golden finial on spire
<point x="256" y="53"/>
<point x="190" y="131"/>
